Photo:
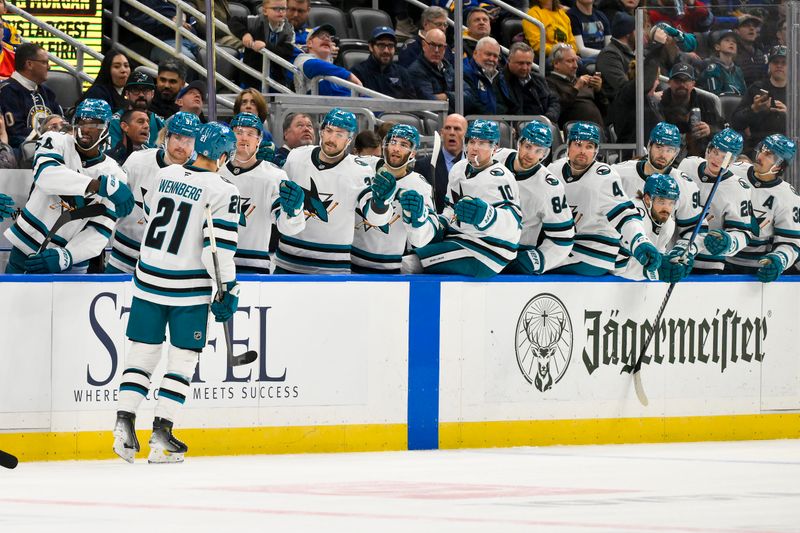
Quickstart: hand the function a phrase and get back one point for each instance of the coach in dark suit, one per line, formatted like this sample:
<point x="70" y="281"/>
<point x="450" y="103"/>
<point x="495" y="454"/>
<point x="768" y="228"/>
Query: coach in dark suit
<point x="453" y="130"/>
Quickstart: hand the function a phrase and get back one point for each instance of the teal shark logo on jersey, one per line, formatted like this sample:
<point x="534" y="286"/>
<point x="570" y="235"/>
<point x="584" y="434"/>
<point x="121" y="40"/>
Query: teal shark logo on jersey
<point x="313" y="205"/>
<point x="456" y="196"/>
<point x="245" y="209"/>
<point x="366" y="226"/>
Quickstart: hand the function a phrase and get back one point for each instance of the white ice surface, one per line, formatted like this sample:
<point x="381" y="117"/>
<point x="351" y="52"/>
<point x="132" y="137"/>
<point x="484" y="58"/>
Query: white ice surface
<point x="703" y="487"/>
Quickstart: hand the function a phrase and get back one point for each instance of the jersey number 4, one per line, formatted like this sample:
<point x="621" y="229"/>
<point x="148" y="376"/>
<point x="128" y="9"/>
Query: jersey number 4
<point x="156" y="236"/>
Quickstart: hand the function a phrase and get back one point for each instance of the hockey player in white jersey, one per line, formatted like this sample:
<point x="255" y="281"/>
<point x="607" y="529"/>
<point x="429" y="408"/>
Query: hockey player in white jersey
<point x="380" y="249"/>
<point x="657" y="203"/>
<point x="69" y="172"/>
<point x="603" y="213"/>
<point x="478" y="232"/>
<point x="662" y="149"/>
<point x="172" y="288"/>
<point x="335" y="184"/>
<point x="730" y="215"/>
<point x="267" y="197"/>
<point x="547" y="226"/>
<point x="141" y="167"/>
<point x="776" y="207"/>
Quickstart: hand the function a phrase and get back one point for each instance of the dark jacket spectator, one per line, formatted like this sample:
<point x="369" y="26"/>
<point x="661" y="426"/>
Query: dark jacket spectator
<point x="485" y="89"/>
<point x="265" y="30"/>
<point x="433" y="76"/>
<point x="615" y="59"/>
<point x="581" y="98"/>
<point x="433" y="17"/>
<point x="530" y="92"/>
<point x="111" y="80"/>
<point x="612" y="7"/>
<point x="379" y="73"/>
<point x="750" y="57"/>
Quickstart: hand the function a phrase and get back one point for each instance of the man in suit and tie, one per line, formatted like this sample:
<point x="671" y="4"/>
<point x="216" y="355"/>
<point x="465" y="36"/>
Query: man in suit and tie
<point x="453" y="130"/>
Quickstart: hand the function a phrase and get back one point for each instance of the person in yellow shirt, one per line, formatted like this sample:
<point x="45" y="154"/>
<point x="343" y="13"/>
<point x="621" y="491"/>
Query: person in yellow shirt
<point x="556" y="23"/>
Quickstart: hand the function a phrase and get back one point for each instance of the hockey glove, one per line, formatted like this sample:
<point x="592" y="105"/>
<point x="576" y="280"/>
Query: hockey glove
<point x="51" y="261"/>
<point x="266" y="151"/>
<point x="673" y="267"/>
<point x="6" y="206"/>
<point x="414" y="211"/>
<point x="772" y="265"/>
<point x="531" y="261"/>
<point x="475" y="211"/>
<point x="279" y="159"/>
<point x="225" y="304"/>
<point x="647" y="255"/>
<point x="119" y="193"/>
<point x="718" y="242"/>
<point x="383" y="188"/>
<point x="291" y="198"/>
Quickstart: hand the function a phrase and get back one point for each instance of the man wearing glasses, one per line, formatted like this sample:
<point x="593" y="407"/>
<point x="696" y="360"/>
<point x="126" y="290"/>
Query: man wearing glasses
<point x="433" y="18"/>
<point x="379" y="72"/>
<point x="432" y="73"/>
<point x="318" y="62"/>
<point x="270" y="30"/>
<point x="24" y="101"/>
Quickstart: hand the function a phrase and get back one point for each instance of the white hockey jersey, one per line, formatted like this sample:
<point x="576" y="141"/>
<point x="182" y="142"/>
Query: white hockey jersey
<point x="141" y="168"/>
<point x="731" y="210"/>
<point x="661" y="236"/>
<point x="332" y="195"/>
<point x="603" y="215"/>
<point x="175" y="265"/>
<point x="260" y="209"/>
<point x="60" y="182"/>
<point x="547" y="222"/>
<point x="381" y="248"/>
<point x="496" y="245"/>
<point x="687" y="208"/>
<point x="776" y="208"/>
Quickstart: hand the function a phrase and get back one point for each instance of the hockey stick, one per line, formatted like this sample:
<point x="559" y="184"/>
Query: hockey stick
<point x="233" y="360"/>
<point x="89" y="211"/>
<point x="7" y="460"/>
<point x="636" y="367"/>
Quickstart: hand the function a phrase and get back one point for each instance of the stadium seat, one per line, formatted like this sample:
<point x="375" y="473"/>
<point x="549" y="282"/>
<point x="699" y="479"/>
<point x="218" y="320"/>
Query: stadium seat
<point x="239" y="10"/>
<point x="506" y="134"/>
<point x="431" y="125"/>
<point x="224" y="67"/>
<point x="351" y="58"/>
<point x="403" y="118"/>
<point x="334" y="16"/>
<point x="66" y="86"/>
<point x="729" y="104"/>
<point x="509" y="28"/>
<point x="364" y="20"/>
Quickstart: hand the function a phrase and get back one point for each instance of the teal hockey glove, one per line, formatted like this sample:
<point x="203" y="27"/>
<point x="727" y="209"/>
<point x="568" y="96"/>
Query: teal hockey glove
<point x="414" y="212"/>
<point x="266" y="151"/>
<point x="647" y="255"/>
<point x="119" y="193"/>
<point x="51" y="261"/>
<point x="772" y="266"/>
<point x="474" y="211"/>
<point x="383" y="188"/>
<point x="673" y="269"/>
<point x="531" y="261"/>
<point x="225" y="305"/>
<point x="291" y="198"/>
<point x="718" y="242"/>
<point x="6" y="206"/>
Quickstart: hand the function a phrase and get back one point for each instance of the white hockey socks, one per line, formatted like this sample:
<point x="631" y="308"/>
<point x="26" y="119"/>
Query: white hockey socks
<point x="140" y="364"/>
<point x="175" y="385"/>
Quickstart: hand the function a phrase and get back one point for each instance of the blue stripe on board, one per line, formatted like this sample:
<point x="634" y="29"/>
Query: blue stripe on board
<point x="424" y="303"/>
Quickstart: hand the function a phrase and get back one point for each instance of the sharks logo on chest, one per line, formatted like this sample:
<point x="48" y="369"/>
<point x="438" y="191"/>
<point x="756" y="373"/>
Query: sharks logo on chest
<point x="316" y="204"/>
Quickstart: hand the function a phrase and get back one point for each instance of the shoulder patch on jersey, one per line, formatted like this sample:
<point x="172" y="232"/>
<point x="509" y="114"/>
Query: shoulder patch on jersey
<point x="361" y="162"/>
<point x="791" y="188"/>
<point x="743" y="183"/>
<point x="686" y="176"/>
<point x="603" y="170"/>
<point x="496" y="172"/>
<point x="552" y="180"/>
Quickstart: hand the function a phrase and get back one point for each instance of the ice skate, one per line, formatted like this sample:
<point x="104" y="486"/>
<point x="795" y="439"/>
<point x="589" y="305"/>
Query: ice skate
<point x="164" y="447"/>
<point x="125" y="442"/>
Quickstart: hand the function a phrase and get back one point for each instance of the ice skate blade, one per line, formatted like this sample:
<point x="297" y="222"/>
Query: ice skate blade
<point x="161" y="456"/>
<point x="128" y="454"/>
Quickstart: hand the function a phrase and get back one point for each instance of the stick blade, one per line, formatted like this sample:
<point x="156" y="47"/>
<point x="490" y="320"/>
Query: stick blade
<point x="639" y="388"/>
<point x="7" y="460"/>
<point x="244" y="359"/>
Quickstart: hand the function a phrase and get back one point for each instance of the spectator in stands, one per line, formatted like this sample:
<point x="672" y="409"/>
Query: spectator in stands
<point x="139" y="92"/>
<point x="317" y="62"/>
<point x="615" y="59"/>
<point x="556" y="23"/>
<point x="191" y="98"/>
<point x="162" y="32"/>
<point x="485" y="89"/>
<point x="270" y="30"/>
<point x="171" y="78"/>
<point x="762" y="110"/>
<point x="750" y="57"/>
<point x="433" y="17"/>
<point x="297" y="13"/>
<point x="298" y="130"/>
<point x="10" y="34"/>
<point x="111" y="79"/>
<point x="53" y="123"/>
<point x="251" y="101"/>
<point x="696" y="17"/>
<point x="379" y="72"/>
<point x="7" y="157"/>
<point x="722" y="75"/>
<point x="531" y="94"/>
<point x="590" y="27"/>
<point x="367" y="142"/>
<point x="24" y="101"/>
<point x="6" y="61"/>
<point x="693" y="112"/>
<point x="479" y="25"/>
<point x="452" y="132"/>
<point x="611" y="7"/>
<point x="433" y="75"/>
<point x="135" y="124"/>
<point x="581" y="97"/>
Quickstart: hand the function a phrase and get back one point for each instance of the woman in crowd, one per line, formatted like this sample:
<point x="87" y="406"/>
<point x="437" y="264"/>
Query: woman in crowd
<point x="111" y="80"/>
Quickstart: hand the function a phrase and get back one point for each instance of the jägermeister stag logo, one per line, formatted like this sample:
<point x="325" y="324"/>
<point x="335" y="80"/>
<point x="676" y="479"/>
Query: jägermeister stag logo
<point x="543" y="341"/>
